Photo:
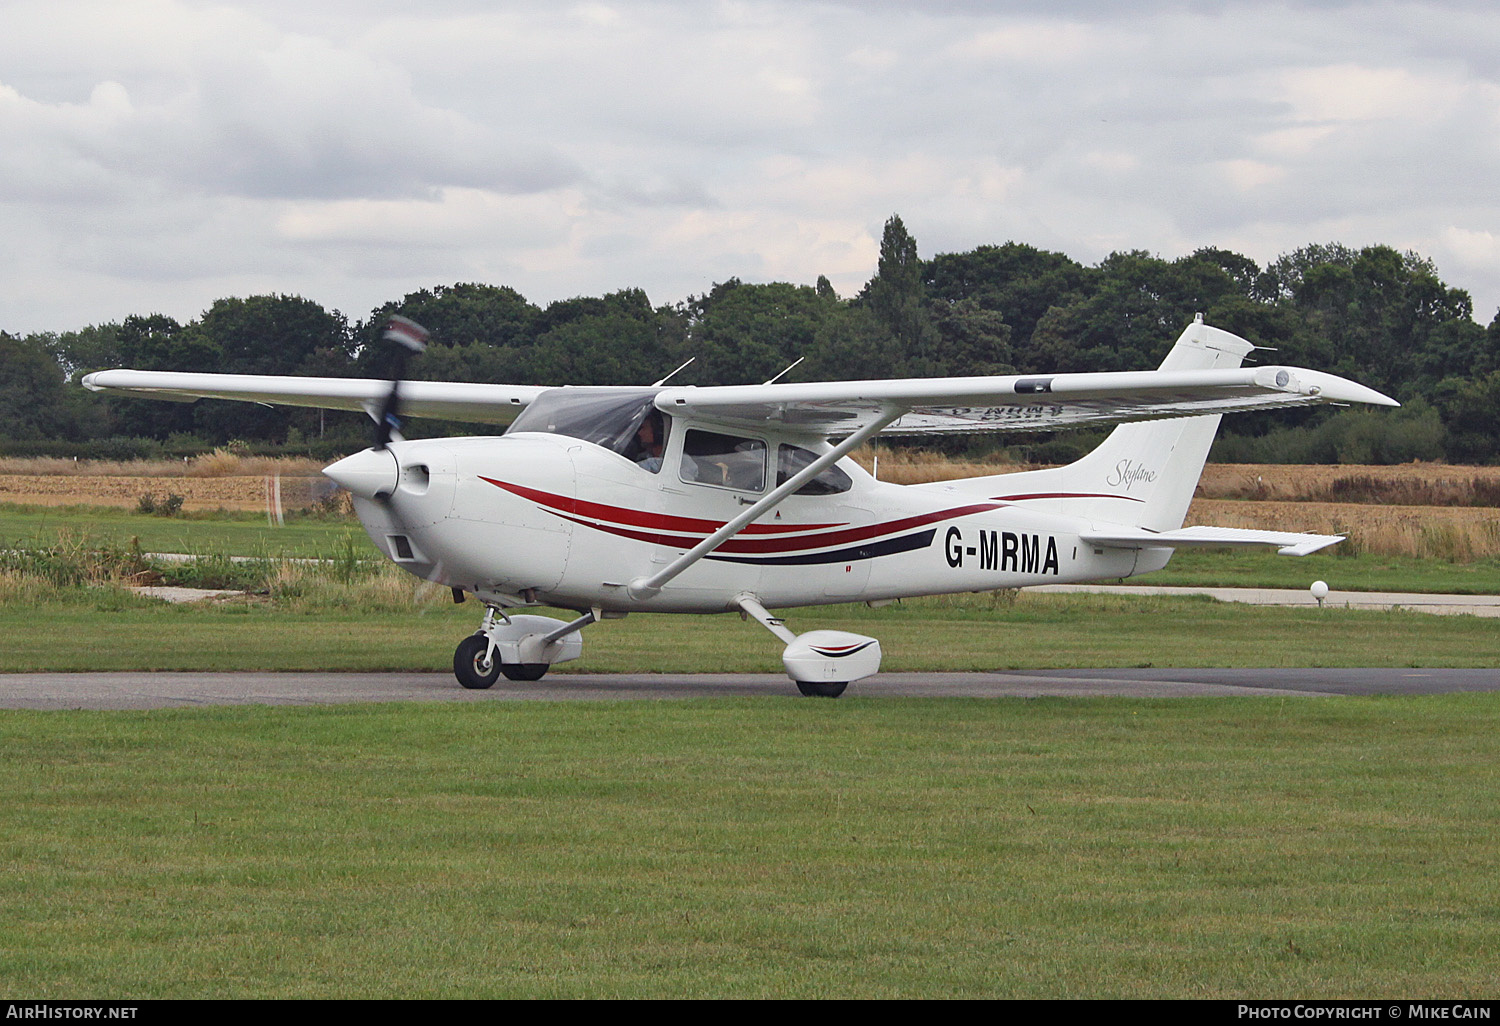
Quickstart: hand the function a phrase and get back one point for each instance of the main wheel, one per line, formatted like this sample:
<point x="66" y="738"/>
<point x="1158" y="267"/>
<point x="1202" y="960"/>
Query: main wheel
<point x="469" y="666"/>
<point x="827" y="689"/>
<point x="524" y="671"/>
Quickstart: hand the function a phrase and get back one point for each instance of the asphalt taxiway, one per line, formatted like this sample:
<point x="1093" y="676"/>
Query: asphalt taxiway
<point x="135" y="690"/>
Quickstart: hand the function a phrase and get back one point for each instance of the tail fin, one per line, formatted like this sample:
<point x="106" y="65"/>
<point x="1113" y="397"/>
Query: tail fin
<point x="1144" y="473"/>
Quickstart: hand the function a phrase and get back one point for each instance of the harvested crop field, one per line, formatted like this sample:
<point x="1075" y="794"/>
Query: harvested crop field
<point x="215" y="480"/>
<point x="1406" y="484"/>
<point x="1331" y="517"/>
<point x="1459" y="533"/>
<point x="240" y="492"/>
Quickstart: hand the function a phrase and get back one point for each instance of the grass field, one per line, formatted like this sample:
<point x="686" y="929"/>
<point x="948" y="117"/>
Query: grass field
<point x="398" y="628"/>
<point x="1305" y="847"/>
<point x="1347" y="567"/>
<point x="727" y="848"/>
<point x="355" y="615"/>
<point x="1362" y="572"/>
<point x="233" y="533"/>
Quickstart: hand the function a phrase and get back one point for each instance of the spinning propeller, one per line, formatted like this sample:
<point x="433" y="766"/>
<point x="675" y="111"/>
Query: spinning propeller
<point x="410" y="338"/>
<point x="372" y="474"/>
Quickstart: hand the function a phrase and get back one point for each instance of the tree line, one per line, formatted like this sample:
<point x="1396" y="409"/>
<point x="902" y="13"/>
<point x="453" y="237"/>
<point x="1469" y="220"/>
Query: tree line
<point x="1379" y="316"/>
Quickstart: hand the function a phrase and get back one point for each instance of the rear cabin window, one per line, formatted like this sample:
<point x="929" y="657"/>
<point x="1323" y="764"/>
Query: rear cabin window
<point x="790" y="459"/>
<point x="726" y="461"/>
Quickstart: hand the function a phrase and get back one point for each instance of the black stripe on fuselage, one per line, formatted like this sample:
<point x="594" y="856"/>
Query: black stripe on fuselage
<point x="852" y="554"/>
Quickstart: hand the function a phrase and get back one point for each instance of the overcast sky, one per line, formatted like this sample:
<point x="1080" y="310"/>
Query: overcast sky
<point x="156" y="155"/>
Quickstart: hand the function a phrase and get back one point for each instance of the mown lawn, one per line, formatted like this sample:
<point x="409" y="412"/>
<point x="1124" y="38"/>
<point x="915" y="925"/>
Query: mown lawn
<point x="239" y="534"/>
<point x="1318" y="847"/>
<point x="105" y="629"/>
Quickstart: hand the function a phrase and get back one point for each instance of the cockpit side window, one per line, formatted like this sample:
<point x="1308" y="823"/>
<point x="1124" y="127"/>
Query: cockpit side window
<point x="726" y="461"/>
<point x="649" y="443"/>
<point x="790" y="459"/>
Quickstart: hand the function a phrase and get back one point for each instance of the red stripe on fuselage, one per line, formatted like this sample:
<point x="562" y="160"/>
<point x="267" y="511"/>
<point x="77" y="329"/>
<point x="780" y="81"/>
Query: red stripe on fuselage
<point x="1063" y="495"/>
<point x="627" y="523"/>
<point x="641" y="518"/>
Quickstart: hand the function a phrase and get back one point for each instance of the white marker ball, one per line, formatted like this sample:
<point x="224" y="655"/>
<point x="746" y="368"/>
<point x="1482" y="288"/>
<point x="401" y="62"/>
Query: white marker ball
<point x="1320" y="590"/>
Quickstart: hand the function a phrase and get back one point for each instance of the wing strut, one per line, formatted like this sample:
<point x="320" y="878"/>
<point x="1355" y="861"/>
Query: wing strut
<point x="646" y="587"/>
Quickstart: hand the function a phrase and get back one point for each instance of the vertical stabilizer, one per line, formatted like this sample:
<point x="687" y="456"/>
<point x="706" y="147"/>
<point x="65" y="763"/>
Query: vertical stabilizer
<point x="1144" y="474"/>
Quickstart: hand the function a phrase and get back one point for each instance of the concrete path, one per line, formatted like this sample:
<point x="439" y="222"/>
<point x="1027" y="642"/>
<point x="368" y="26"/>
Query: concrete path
<point x="1475" y="605"/>
<point x="130" y="690"/>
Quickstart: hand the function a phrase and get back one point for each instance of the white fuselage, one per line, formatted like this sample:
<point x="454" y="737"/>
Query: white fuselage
<point x="550" y="519"/>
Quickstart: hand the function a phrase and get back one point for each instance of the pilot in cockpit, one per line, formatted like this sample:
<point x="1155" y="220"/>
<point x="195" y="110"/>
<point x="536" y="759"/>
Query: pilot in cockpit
<point x="650" y="438"/>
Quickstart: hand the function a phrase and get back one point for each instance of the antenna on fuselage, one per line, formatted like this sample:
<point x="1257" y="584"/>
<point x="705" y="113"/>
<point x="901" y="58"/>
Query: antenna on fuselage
<point x="664" y="380"/>
<point x="788" y="367"/>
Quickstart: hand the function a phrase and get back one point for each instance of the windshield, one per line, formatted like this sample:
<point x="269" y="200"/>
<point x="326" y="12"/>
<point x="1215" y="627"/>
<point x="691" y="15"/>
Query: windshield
<point x="610" y="418"/>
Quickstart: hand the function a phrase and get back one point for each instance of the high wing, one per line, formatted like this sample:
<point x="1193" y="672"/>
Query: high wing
<point x="1013" y="403"/>
<point x="468" y="401"/>
<point x="925" y="405"/>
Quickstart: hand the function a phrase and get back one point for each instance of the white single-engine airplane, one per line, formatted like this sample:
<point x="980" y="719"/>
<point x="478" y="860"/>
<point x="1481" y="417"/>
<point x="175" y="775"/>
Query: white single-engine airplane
<point x="614" y="500"/>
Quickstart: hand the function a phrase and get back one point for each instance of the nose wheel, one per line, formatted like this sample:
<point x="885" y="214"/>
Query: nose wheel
<point x="477" y="668"/>
<point x="520" y="647"/>
<point x="473" y="665"/>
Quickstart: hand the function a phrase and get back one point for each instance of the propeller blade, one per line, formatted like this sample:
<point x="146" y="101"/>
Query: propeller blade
<point x="410" y="338"/>
<point x="406" y="332"/>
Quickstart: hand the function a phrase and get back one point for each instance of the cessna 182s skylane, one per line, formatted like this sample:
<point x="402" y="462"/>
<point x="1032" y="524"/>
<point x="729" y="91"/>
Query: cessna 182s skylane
<point x="607" y="501"/>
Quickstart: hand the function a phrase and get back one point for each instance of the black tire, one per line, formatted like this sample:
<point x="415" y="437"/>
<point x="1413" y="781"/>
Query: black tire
<point x="467" y="663"/>
<point x="827" y="689"/>
<point x="524" y="671"/>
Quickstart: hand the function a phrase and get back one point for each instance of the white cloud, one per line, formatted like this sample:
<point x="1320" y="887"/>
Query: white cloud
<point x="1247" y="175"/>
<point x="353" y="151"/>
<point x="1037" y="42"/>
<point x="1474" y="248"/>
<point x="1352" y="93"/>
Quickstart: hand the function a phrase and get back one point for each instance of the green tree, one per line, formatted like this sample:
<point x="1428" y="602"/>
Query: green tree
<point x="970" y="339"/>
<point x="617" y="339"/>
<point x="32" y="402"/>
<point x="158" y="342"/>
<point x="1019" y="282"/>
<point x="897" y="296"/>
<point x="1134" y="307"/>
<point x="742" y="334"/>
<point x="1382" y="317"/>
<point x="273" y="334"/>
<point x="469" y="317"/>
<point x="852" y="344"/>
<point x="268" y="335"/>
<point x="1470" y="409"/>
<point x="92" y="348"/>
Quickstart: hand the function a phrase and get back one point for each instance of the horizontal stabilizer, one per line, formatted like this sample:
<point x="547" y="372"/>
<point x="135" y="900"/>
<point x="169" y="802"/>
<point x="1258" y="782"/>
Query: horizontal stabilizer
<point x="1287" y="543"/>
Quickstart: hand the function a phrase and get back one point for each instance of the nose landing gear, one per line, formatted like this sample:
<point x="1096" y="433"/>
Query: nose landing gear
<point x="520" y="647"/>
